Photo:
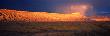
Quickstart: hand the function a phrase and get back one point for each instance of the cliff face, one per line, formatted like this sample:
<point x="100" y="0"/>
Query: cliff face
<point x="13" y="15"/>
<point x="10" y="16"/>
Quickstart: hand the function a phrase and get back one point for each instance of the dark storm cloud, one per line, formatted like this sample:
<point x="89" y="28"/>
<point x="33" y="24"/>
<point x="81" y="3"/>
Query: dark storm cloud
<point x="101" y="2"/>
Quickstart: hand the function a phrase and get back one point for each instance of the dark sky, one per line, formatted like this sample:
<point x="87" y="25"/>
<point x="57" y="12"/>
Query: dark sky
<point x="102" y="7"/>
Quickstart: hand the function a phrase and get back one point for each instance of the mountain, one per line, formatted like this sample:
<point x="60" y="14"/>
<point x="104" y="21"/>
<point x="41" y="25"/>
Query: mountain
<point x="13" y="22"/>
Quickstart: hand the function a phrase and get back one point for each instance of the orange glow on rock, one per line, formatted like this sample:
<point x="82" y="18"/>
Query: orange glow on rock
<point x="13" y="15"/>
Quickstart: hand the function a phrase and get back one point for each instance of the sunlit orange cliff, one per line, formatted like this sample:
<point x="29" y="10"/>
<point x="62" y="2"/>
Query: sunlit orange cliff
<point x="14" y="15"/>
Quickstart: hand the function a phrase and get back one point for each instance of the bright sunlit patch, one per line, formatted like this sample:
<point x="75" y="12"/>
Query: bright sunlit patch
<point x="81" y="8"/>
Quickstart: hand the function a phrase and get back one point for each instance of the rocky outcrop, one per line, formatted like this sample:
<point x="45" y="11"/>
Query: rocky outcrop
<point x="13" y="15"/>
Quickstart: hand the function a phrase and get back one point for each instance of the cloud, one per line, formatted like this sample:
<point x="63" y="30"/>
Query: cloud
<point x="101" y="3"/>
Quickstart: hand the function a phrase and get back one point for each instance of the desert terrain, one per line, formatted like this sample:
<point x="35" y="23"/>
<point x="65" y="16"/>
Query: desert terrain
<point x="26" y="23"/>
